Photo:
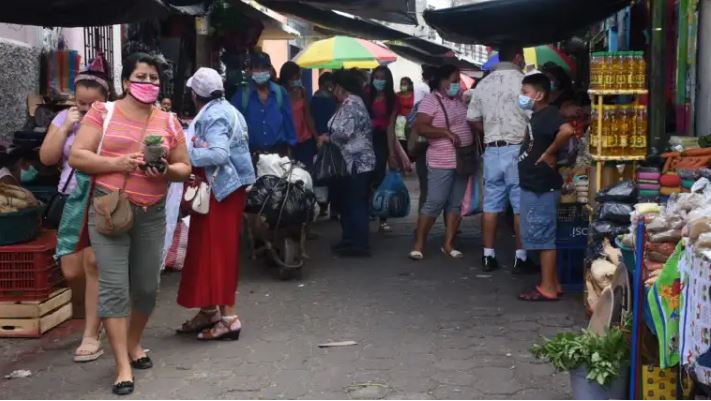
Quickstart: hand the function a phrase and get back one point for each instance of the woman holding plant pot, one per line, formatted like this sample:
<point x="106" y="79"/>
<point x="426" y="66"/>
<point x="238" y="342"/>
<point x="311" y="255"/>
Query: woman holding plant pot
<point x="109" y="147"/>
<point x="220" y="154"/>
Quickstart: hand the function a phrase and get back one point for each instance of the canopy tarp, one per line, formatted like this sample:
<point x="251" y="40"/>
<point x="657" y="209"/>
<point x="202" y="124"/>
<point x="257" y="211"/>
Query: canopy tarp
<point x="526" y="22"/>
<point x="76" y="13"/>
<point x="399" y="11"/>
<point x="335" y="23"/>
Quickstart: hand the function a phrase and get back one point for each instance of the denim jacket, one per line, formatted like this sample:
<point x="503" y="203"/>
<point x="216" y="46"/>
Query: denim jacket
<point x="220" y="141"/>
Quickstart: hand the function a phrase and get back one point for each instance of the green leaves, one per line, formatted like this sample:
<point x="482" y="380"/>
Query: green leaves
<point x="603" y="356"/>
<point x="152" y="140"/>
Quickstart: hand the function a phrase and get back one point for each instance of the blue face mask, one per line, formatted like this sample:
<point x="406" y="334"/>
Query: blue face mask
<point x="453" y="89"/>
<point x="261" y="78"/>
<point x="525" y="102"/>
<point x="379" y="84"/>
<point x="296" y="84"/>
<point x="29" y="175"/>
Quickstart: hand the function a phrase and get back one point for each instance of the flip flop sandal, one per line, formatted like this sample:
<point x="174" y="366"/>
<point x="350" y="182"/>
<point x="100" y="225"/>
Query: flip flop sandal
<point x="454" y="254"/>
<point x="202" y="321"/>
<point x="416" y="255"/>
<point x="89" y="350"/>
<point x="536" y="295"/>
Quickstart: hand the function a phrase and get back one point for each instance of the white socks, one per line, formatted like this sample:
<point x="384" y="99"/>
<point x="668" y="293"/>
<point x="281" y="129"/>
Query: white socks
<point x="521" y="254"/>
<point x="489" y="252"/>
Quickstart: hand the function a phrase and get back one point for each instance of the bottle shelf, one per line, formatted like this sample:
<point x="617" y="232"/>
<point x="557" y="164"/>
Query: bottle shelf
<point x="618" y="158"/>
<point x="616" y="92"/>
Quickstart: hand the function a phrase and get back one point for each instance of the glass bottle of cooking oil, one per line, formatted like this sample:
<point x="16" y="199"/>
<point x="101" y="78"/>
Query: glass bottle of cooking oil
<point x="620" y="72"/>
<point x="626" y="118"/>
<point x="640" y="141"/>
<point x="592" y="134"/>
<point x="608" y="71"/>
<point x="640" y="71"/>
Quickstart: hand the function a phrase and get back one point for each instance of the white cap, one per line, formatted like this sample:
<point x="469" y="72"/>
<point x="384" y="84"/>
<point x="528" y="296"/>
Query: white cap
<point x="205" y="81"/>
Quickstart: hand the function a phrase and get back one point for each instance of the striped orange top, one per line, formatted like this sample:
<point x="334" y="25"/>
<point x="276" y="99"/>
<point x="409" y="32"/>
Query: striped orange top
<point x="124" y="136"/>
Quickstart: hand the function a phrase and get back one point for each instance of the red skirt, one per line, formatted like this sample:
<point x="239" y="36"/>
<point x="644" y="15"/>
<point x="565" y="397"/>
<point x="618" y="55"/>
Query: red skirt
<point x="211" y="268"/>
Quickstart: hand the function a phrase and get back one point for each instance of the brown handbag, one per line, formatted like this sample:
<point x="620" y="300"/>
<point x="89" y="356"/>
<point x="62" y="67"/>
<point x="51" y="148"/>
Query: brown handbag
<point x="466" y="155"/>
<point x="114" y="213"/>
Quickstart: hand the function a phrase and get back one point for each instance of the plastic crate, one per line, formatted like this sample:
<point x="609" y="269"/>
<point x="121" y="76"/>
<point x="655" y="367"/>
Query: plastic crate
<point x="571" y="269"/>
<point x="573" y="226"/>
<point x="28" y="271"/>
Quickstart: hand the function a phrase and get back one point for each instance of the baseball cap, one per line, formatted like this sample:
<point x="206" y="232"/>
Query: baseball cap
<point x="205" y="82"/>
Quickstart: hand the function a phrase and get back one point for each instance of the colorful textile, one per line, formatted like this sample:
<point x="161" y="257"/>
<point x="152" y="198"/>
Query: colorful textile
<point x="695" y="312"/>
<point x="648" y="176"/>
<point x="670" y="180"/>
<point x="687" y="184"/>
<point x="664" y="301"/>
<point x="62" y="69"/>
<point x="650" y="187"/>
<point x="648" y="193"/>
<point x="655" y="182"/>
<point x="74" y="216"/>
<point x="669" y="190"/>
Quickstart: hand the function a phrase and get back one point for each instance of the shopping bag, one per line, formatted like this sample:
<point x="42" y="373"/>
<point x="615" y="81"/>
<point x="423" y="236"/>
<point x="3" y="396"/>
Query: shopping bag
<point x="392" y="198"/>
<point x="329" y="164"/>
<point x="473" y="203"/>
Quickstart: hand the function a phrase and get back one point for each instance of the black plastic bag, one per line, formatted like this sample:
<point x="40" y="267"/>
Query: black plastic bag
<point x="607" y="229"/>
<point x="625" y="192"/>
<point x="329" y="164"/>
<point x="281" y="202"/>
<point x="615" y="212"/>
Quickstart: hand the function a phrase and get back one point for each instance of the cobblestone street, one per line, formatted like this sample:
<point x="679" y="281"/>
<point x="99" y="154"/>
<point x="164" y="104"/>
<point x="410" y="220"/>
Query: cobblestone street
<point x="432" y="329"/>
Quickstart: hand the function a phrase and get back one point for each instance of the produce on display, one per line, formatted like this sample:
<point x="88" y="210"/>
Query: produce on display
<point x="14" y="198"/>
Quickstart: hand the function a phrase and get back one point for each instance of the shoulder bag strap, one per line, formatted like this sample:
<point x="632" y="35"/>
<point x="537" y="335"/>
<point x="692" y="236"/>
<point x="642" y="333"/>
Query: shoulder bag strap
<point x="69" y="179"/>
<point x="444" y="109"/>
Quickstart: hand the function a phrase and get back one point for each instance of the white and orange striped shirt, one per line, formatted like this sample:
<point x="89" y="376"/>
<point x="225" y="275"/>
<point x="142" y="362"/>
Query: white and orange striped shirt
<point x="124" y="136"/>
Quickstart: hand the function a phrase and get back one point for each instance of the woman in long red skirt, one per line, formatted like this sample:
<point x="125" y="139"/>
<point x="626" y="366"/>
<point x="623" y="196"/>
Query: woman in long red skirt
<point x="220" y="155"/>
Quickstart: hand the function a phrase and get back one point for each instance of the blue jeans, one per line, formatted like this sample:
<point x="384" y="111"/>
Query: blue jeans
<point x="501" y="178"/>
<point x="354" y="202"/>
<point x="539" y="220"/>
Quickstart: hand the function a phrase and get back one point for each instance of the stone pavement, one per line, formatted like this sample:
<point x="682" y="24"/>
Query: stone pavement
<point x="435" y="329"/>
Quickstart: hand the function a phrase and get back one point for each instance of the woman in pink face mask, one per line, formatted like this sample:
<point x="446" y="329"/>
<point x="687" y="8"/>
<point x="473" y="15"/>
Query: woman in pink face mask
<point x="109" y="147"/>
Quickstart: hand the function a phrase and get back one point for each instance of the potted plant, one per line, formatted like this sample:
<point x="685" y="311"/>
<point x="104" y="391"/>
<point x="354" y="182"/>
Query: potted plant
<point x="153" y="151"/>
<point x="598" y="364"/>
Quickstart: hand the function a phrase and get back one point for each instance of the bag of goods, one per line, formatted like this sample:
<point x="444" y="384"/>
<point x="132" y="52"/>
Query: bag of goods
<point x="664" y="248"/>
<point x="329" y="164"/>
<point x="273" y="164"/>
<point x="666" y="236"/>
<point x="14" y="198"/>
<point x="616" y="212"/>
<point x="605" y="229"/>
<point x="625" y="192"/>
<point x="392" y="199"/>
<point x="281" y="202"/>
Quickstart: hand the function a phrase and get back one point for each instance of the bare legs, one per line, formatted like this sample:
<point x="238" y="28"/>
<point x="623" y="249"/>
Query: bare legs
<point x="117" y="328"/>
<point x="424" y="225"/>
<point x="489" y="223"/>
<point x="81" y="273"/>
<point x="550" y="283"/>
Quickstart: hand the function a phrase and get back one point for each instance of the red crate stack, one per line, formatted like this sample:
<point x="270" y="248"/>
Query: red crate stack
<point x="28" y="271"/>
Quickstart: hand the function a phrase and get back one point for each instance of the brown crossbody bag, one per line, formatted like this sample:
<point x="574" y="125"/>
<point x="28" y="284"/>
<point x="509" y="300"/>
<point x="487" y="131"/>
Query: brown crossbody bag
<point x="466" y="155"/>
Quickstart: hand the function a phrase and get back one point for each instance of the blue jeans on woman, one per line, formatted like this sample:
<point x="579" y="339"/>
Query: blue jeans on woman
<point x="354" y="200"/>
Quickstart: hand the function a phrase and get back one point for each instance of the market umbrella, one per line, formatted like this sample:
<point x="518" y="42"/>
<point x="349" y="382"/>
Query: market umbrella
<point x="538" y="56"/>
<point x="344" y="52"/>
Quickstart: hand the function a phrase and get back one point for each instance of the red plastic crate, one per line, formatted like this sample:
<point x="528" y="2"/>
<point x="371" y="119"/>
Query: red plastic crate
<point x="28" y="271"/>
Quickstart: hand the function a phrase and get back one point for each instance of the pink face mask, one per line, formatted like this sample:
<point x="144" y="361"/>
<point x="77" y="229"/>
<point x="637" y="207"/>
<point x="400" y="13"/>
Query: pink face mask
<point x="144" y="92"/>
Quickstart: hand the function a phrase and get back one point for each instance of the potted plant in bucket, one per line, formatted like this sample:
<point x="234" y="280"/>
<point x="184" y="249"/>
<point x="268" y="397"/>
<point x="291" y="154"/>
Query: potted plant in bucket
<point x="153" y="152"/>
<point x="598" y="364"/>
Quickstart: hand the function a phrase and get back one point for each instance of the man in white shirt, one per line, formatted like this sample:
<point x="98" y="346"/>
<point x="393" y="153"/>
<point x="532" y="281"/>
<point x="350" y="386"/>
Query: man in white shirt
<point x="494" y="113"/>
<point x="422" y="88"/>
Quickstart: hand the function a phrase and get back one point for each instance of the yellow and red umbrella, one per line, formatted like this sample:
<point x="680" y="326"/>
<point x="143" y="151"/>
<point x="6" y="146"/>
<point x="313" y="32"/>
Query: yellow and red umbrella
<point x="344" y="52"/>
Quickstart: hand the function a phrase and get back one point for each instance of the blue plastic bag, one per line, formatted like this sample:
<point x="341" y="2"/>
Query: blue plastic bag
<point x="392" y="198"/>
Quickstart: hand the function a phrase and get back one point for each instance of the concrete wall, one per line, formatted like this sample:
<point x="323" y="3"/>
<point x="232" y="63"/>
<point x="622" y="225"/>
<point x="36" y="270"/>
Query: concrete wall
<point x="405" y="68"/>
<point x="19" y="78"/>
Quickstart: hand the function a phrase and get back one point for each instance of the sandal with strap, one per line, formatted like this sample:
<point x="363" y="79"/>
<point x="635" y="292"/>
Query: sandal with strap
<point x="454" y="254"/>
<point x="537" y="295"/>
<point x="203" y="320"/>
<point x="89" y="350"/>
<point x="223" y="330"/>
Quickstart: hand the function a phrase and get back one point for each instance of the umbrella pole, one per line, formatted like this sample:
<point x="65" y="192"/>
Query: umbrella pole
<point x="636" y="311"/>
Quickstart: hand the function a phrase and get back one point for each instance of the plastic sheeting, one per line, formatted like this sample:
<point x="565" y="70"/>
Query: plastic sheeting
<point x="527" y="22"/>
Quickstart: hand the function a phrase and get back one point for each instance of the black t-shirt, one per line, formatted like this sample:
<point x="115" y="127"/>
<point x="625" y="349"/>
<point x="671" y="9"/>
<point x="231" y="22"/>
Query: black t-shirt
<point x="540" y="177"/>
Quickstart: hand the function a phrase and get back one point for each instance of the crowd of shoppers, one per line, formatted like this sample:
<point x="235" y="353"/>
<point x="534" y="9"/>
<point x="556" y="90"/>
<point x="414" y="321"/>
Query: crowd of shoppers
<point x="99" y="146"/>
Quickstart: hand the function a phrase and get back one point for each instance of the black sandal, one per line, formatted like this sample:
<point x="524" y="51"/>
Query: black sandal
<point x="123" y="388"/>
<point x="142" y="363"/>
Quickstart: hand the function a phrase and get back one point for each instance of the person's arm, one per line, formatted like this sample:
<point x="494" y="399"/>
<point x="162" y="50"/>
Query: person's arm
<point x="217" y="137"/>
<point x="550" y="156"/>
<point x="288" y="115"/>
<point x="52" y="148"/>
<point x="83" y="155"/>
<point x="179" y="168"/>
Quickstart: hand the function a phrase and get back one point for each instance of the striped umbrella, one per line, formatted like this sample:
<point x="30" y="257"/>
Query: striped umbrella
<point x="344" y="52"/>
<point x="538" y="56"/>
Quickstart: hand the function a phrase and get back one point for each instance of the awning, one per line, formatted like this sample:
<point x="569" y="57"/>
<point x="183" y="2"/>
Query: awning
<point x="425" y="58"/>
<point x="528" y="22"/>
<point x="399" y="11"/>
<point x="275" y="26"/>
<point x="190" y="7"/>
<point x="76" y="13"/>
<point x="335" y="23"/>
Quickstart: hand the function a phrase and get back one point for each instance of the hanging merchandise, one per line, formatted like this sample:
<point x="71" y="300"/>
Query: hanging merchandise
<point x="62" y="67"/>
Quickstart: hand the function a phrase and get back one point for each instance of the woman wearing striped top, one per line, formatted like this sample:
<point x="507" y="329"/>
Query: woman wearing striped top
<point x="129" y="264"/>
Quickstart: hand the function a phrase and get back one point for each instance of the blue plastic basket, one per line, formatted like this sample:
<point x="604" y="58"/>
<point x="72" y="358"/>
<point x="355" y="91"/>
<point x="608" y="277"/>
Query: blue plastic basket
<point x="571" y="269"/>
<point x="573" y="226"/>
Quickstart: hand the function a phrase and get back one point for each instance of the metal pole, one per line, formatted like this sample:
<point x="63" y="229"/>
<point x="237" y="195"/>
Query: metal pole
<point x="657" y="109"/>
